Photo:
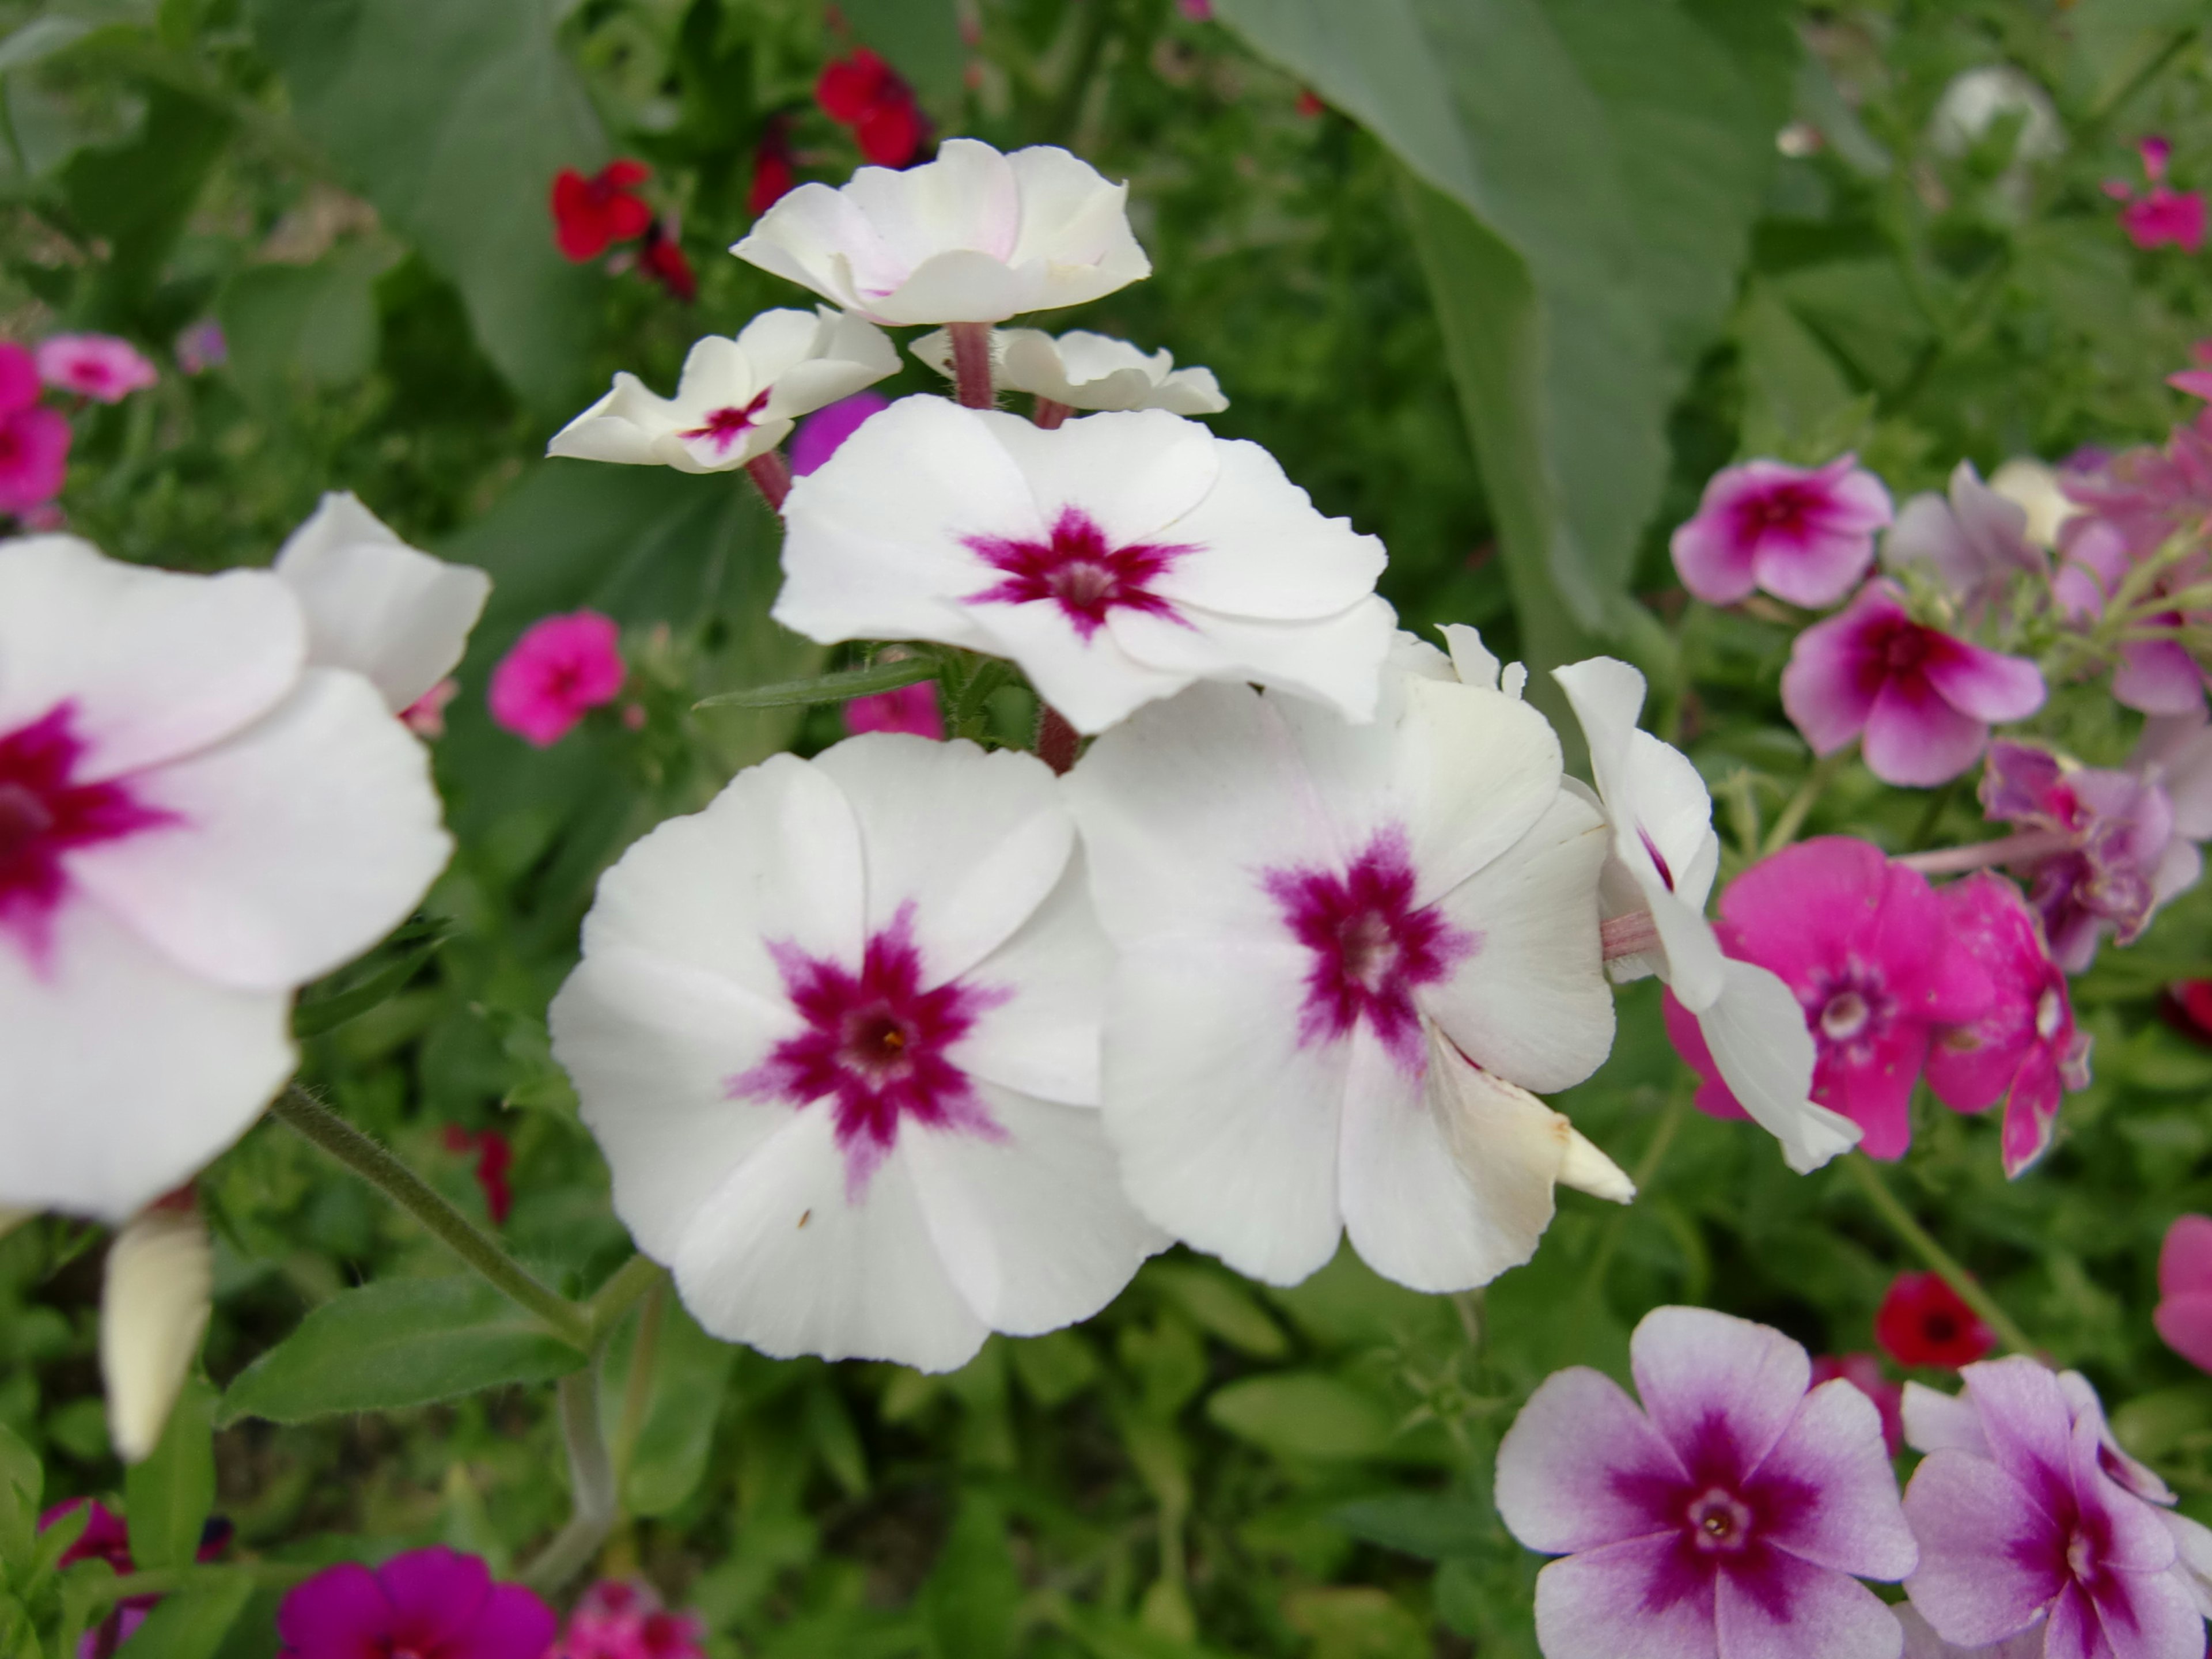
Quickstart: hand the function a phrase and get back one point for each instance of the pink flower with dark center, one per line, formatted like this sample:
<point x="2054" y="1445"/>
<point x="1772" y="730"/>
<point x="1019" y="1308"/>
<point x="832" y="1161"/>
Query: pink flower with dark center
<point x="426" y="1604"/>
<point x="876" y="1046"/>
<point x="1863" y="1372"/>
<point x="1080" y="572"/>
<point x="2184" y="1290"/>
<point x="1922" y="699"/>
<point x="619" y="1620"/>
<point x="561" y="668"/>
<point x="910" y="708"/>
<point x="34" y="442"/>
<point x="2024" y="1048"/>
<point x="1923" y="1322"/>
<point x="1734" y="1510"/>
<point x="2021" y="1522"/>
<point x="1804" y="535"/>
<point x="96" y="366"/>
<point x="1867" y="947"/>
<point x="2162" y="216"/>
<point x="1372" y="946"/>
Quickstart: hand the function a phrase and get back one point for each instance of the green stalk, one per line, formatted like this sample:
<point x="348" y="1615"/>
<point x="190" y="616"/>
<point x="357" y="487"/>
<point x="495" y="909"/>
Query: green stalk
<point x="1802" y="803"/>
<point x="1923" y="1244"/>
<point x="591" y="1484"/>
<point x="633" y="1279"/>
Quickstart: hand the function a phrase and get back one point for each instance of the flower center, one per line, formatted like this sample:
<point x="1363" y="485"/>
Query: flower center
<point x="1904" y="648"/>
<point x="1783" y="510"/>
<point x="1371" y="947"/>
<point x="2050" y="1013"/>
<point x="1848" y="1010"/>
<point x="1077" y="571"/>
<point x="1846" y="1015"/>
<point x="876" y="1045"/>
<point x="1658" y="858"/>
<point x="2083" y="1558"/>
<point x="722" y="428"/>
<point x="1719" y="1522"/>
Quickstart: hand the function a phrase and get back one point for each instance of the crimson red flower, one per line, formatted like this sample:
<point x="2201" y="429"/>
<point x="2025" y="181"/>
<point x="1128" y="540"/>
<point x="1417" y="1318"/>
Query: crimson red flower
<point x="849" y="87"/>
<point x="494" y="1156"/>
<point x="662" y="259"/>
<point x="2192" y="998"/>
<point x="890" y="132"/>
<point x="866" y="95"/>
<point x="1923" y="1322"/>
<point x="591" y="215"/>
<point x="772" y="172"/>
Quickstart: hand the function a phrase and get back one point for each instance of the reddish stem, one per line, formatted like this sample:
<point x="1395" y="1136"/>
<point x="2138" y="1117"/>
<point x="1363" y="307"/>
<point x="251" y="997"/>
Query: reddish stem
<point x="2006" y="849"/>
<point x="971" y="363"/>
<point x="1049" y="414"/>
<point x="772" y="473"/>
<point x="1056" y="740"/>
<point x="1631" y="935"/>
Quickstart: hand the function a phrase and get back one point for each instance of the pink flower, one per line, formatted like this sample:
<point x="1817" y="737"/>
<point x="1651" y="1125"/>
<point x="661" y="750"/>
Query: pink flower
<point x="2162" y="216"/>
<point x="2024" y="1046"/>
<point x="559" y="670"/>
<point x="1867" y="948"/>
<point x="430" y="1602"/>
<point x="1732" y="1512"/>
<point x="1923" y="699"/>
<point x="34" y="442"/>
<point x="910" y="708"/>
<point x="1863" y="1372"/>
<point x="1803" y="536"/>
<point x="2159" y="677"/>
<point x="821" y="434"/>
<point x="2184" y="1288"/>
<point x="619" y="1620"/>
<point x="96" y="366"/>
<point x="1974" y="541"/>
<point x="2022" y="1521"/>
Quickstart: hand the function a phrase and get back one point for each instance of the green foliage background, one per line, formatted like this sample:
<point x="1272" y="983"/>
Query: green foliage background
<point x="1536" y="268"/>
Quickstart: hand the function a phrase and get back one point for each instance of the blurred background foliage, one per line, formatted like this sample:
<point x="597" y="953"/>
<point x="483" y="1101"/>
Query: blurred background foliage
<point x="1503" y="280"/>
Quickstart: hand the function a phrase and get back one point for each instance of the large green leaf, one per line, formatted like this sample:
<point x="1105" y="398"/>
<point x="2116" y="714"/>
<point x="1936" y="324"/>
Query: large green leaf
<point x="192" y="1624"/>
<point x="398" y="1342"/>
<point x="690" y="1376"/>
<point x="452" y="118"/>
<point x="305" y="327"/>
<point x="1583" y="178"/>
<point x="140" y="193"/>
<point x="168" y="1495"/>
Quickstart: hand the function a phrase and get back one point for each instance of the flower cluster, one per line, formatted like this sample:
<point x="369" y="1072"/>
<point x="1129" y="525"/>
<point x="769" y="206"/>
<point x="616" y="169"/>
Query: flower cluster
<point x="594" y="214"/>
<point x="35" y="436"/>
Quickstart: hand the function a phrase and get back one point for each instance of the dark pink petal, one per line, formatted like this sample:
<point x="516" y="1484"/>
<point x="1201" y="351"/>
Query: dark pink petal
<point x="2159" y="677"/>
<point x="339" y="1613"/>
<point x="513" y="1624"/>
<point x="2072" y="1631"/>
<point x="18" y="378"/>
<point x="2197" y="382"/>
<point x="1626" y="1599"/>
<point x="436" y="1594"/>
<point x="1576" y="1468"/>
<point x="2185" y="1323"/>
<point x="1876" y="1092"/>
<point x="1987" y="1565"/>
<point x="34" y="446"/>
<point x="1969" y="1074"/>
<point x="1986" y="684"/>
<point x="2148" y="1615"/>
<point x="1915" y="737"/>
<point x="1720" y="1390"/>
<point x="2137" y="1537"/>
<point x="2031" y="1113"/>
<point x="1833" y="1449"/>
<point x="1805" y="907"/>
<point x="1829" y="688"/>
<point x="1786" y="1608"/>
<point x="1912" y="940"/>
<point x="2027" y="1424"/>
<point x="2185" y="1261"/>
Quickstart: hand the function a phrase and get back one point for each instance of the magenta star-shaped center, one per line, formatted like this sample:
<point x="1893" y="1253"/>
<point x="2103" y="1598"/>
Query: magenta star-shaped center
<point x="1724" y="1511"/>
<point x="1080" y="572"/>
<point x="876" y="1045"/>
<point x="45" y="814"/>
<point x="1371" y="946"/>
<point x="720" y="428"/>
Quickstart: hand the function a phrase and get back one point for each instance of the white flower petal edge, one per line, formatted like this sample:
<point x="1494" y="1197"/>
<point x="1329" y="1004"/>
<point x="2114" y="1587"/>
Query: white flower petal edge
<point x="972" y="237"/>
<point x="1663" y="860"/>
<point x="1082" y="370"/>
<point x="837" y="1036"/>
<point x="396" y="616"/>
<point x="738" y="398"/>
<point x="155" y="1299"/>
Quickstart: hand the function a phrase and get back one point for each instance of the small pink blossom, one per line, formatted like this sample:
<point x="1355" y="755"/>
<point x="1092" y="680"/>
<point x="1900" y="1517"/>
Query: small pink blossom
<point x="34" y="442"/>
<point x="821" y="434"/>
<point x="617" y="1618"/>
<point x="909" y="709"/>
<point x="1923" y="699"/>
<point x="426" y="716"/>
<point x="560" y="668"/>
<point x="1866" y="946"/>
<point x="1863" y="1372"/>
<point x="96" y="366"/>
<point x="1806" y="536"/>
<point x="431" y="1602"/>
<point x="2184" y="1289"/>
<point x="1733" y="1511"/>
<point x="2024" y="1048"/>
<point x="2162" y="216"/>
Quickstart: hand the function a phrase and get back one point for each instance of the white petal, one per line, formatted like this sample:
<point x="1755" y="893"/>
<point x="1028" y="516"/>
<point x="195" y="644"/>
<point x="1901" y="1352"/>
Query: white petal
<point x="1137" y="475"/>
<point x="1607" y="696"/>
<point x="1268" y="554"/>
<point x="844" y="354"/>
<point x="1096" y="682"/>
<point x="94" y="1125"/>
<point x="1663" y="797"/>
<point x="156" y="664"/>
<point x="1477" y="769"/>
<point x="1044" y="1041"/>
<point x="720" y="372"/>
<point x="297" y="844"/>
<point x="1335" y="661"/>
<point x="1942" y="1422"/>
<point x="155" y="1294"/>
<point x="1756" y="1032"/>
<point x="1471" y="659"/>
<point x="624" y="426"/>
<point x="376" y="605"/>
<point x="1075" y="243"/>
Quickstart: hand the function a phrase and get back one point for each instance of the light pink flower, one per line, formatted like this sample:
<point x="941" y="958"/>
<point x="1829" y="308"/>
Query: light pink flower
<point x="34" y="442"/>
<point x="561" y="668"/>
<point x="1974" y="541"/>
<point x="2024" y="1046"/>
<point x="617" y="1618"/>
<point x="2184" y="1288"/>
<point x="1867" y="948"/>
<point x="910" y="708"/>
<point x="2022" y="1521"/>
<point x="96" y="366"/>
<point x="1863" y="1372"/>
<point x="426" y="716"/>
<point x="1806" y="536"/>
<point x="1733" y="1511"/>
<point x="1923" y="699"/>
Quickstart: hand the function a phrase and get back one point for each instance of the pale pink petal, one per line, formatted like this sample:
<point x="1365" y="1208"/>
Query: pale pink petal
<point x="1986" y="684"/>
<point x="2185" y="1322"/>
<point x="1916" y="738"/>
<point x="1984" y="1573"/>
<point x="1829" y="687"/>
<point x="2149" y="1616"/>
<point x="2159" y="677"/>
<point x="1630" y="1598"/>
<point x="1787" y="1609"/>
<point x="2027" y="1422"/>
<point x="1715" y="1386"/>
<point x="1834" y="1448"/>
<point x="1942" y="1422"/>
<point x="2185" y="1261"/>
<point x="1820" y="570"/>
<point x="1569" y="1469"/>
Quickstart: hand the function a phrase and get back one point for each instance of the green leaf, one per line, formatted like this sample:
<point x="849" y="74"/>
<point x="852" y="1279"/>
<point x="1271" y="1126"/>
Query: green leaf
<point x="1305" y="1414"/>
<point x="920" y="39"/>
<point x="313" y="325"/>
<point x="168" y="1497"/>
<point x="691" y="1373"/>
<point x="454" y="118"/>
<point x="1356" y="1621"/>
<point x="139" y="194"/>
<point x="1055" y="1367"/>
<point x="327" y="1013"/>
<point x="1431" y="1525"/>
<point x="839" y="687"/>
<point x="40" y="39"/>
<point x="22" y="1482"/>
<point x="968" y="1605"/>
<point x="397" y="1342"/>
<point x="1221" y="1306"/>
<point x="192" y="1624"/>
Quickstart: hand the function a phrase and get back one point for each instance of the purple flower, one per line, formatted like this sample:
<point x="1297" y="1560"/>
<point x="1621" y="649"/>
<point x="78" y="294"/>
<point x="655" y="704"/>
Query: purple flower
<point x="2025" y="1514"/>
<point x="1923" y="699"/>
<point x="2024" y="1045"/>
<point x="430" y="1603"/>
<point x="1974" y="543"/>
<point x="1803" y="536"/>
<point x="821" y="434"/>
<point x="1732" y="1511"/>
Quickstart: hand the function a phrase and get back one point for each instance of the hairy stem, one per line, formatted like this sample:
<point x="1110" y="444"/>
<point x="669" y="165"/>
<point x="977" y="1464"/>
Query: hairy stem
<point x="1630" y="935"/>
<point x="971" y="363"/>
<point x="378" y="1167"/>
<point x="634" y="1279"/>
<point x="637" y="1387"/>
<point x="1922" y="1243"/>
<point x="591" y="1484"/>
<point x="1981" y="855"/>
<point x="771" y="476"/>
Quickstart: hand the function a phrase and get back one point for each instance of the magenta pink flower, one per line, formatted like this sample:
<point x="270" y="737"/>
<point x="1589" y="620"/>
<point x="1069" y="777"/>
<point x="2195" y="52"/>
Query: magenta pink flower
<point x="2019" y="1521"/>
<point x="560" y="669"/>
<point x="1732" y="1512"/>
<point x="910" y="708"/>
<point x="1803" y="536"/>
<point x="2024" y="1046"/>
<point x="1922" y="699"/>
<point x="823" y="433"/>
<point x="619" y="1620"/>
<point x="96" y="366"/>
<point x="2162" y="216"/>
<point x="431" y="1603"/>
<point x="34" y="442"/>
<point x="2184" y="1289"/>
<point x="1866" y="946"/>
<point x="1863" y="1372"/>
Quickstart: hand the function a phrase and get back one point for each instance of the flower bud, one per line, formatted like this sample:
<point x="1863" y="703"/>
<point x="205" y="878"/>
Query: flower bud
<point x="152" y="1312"/>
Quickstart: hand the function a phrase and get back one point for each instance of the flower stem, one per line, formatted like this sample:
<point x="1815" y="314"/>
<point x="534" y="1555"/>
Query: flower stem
<point x="636" y="1277"/>
<point x="1049" y="414"/>
<point x="1057" y="741"/>
<point x="592" y="1487"/>
<point x="1956" y="861"/>
<point x="971" y="363"/>
<point x="1629" y="935"/>
<point x="378" y="1167"/>
<point x="771" y="475"/>
<point x="1801" y="804"/>
<point x="637" y="1387"/>
<point x="1923" y="1244"/>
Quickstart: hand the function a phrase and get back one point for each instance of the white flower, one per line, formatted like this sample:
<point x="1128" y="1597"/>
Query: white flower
<point x="1664" y="856"/>
<point x="1346" y="955"/>
<point x="1974" y="542"/>
<point x="838" y="1037"/>
<point x="193" y="823"/>
<point x="1085" y="371"/>
<point x="971" y="237"/>
<point x="376" y="605"/>
<point x="738" y="398"/>
<point x="157" y="1288"/>
<point x="1117" y="559"/>
<point x="2035" y="488"/>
